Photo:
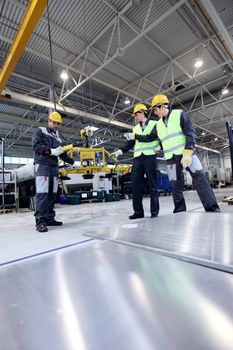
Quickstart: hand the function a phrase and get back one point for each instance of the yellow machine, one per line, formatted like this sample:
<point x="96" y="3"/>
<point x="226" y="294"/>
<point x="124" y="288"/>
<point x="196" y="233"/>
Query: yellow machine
<point x="92" y="160"/>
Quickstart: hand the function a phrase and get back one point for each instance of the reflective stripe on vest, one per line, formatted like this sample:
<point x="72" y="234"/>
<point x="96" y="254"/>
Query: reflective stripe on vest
<point x="147" y="148"/>
<point x="171" y="135"/>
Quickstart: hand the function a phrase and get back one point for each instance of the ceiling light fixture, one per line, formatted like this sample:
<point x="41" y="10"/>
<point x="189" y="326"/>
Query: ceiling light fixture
<point x="64" y="75"/>
<point x="225" y="91"/>
<point x="93" y="128"/>
<point x="127" y="101"/>
<point x="198" y="63"/>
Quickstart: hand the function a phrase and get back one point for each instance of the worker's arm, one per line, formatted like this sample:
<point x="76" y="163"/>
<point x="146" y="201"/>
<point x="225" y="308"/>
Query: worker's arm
<point x="129" y="144"/>
<point x="188" y="130"/>
<point x="38" y="145"/>
<point x="147" y="138"/>
<point x="64" y="156"/>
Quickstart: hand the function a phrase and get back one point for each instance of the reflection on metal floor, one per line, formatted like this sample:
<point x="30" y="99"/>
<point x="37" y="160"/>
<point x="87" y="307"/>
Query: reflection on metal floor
<point x="104" y="295"/>
<point x="202" y="238"/>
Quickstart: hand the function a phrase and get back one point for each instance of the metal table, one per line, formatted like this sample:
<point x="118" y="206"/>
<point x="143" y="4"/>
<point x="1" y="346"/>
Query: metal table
<point x="202" y="238"/>
<point x="102" y="295"/>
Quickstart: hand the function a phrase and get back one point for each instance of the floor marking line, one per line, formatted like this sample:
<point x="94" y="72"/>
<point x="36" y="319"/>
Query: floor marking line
<point x="45" y="252"/>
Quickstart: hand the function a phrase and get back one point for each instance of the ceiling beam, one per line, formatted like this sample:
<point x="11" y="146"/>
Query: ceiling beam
<point x="14" y="119"/>
<point x="210" y="9"/>
<point x="27" y="26"/>
<point x="128" y="45"/>
<point x="68" y="110"/>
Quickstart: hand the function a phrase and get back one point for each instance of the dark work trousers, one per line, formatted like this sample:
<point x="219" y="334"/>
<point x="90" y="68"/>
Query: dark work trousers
<point x="145" y="165"/>
<point x="46" y="188"/>
<point x="200" y="183"/>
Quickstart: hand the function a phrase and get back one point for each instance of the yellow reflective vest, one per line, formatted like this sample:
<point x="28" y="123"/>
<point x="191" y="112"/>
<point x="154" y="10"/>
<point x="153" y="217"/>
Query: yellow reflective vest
<point x="147" y="148"/>
<point x="171" y="135"/>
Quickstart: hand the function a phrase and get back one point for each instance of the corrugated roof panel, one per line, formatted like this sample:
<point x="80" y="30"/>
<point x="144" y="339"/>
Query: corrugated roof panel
<point x="13" y="12"/>
<point x="60" y="37"/>
<point x="173" y="35"/>
<point x="224" y="9"/>
<point x="115" y="80"/>
<point x="6" y="32"/>
<point x="83" y="18"/>
<point x="11" y="110"/>
<point x="166" y="74"/>
<point x="4" y="48"/>
<point x="118" y="4"/>
<point x="143" y="57"/>
<point x="36" y="62"/>
<point x="142" y="93"/>
<point x="119" y="70"/>
<point x="26" y="85"/>
<point x="126" y="35"/>
<point x="137" y="14"/>
<point x="211" y="76"/>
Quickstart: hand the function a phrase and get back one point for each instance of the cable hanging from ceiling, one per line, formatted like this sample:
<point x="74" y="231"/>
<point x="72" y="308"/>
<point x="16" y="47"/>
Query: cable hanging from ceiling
<point x="51" y="58"/>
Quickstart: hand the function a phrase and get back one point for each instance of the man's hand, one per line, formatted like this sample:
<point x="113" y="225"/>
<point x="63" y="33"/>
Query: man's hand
<point x="129" y="136"/>
<point x="56" y="151"/>
<point x="116" y="154"/>
<point x="186" y="160"/>
<point x="76" y="164"/>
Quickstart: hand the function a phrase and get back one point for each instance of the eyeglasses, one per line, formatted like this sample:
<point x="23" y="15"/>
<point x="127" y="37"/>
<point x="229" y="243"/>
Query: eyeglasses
<point x="158" y="106"/>
<point x="141" y="111"/>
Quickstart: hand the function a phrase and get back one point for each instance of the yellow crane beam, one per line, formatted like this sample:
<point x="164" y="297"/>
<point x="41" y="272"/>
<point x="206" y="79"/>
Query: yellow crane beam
<point x="29" y="22"/>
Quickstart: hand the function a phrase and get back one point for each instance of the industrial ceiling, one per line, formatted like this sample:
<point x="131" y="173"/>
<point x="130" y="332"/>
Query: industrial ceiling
<point x="114" y="51"/>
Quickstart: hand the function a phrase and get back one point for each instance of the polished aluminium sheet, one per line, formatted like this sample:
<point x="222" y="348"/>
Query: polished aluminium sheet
<point x="106" y="295"/>
<point x="203" y="238"/>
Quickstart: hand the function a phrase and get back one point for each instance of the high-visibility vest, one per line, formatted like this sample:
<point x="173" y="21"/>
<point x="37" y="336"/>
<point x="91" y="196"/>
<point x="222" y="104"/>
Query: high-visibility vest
<point x="147" y="148"/>
<point x="171" y="135"/>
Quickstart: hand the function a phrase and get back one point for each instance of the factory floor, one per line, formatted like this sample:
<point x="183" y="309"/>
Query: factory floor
<point x="18" y="237"/>
<point x="102" y="281"/>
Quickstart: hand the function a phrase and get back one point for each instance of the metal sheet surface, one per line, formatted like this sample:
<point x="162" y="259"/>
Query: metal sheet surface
<point x="110" y="296"/>
<point x="205" y="238"/>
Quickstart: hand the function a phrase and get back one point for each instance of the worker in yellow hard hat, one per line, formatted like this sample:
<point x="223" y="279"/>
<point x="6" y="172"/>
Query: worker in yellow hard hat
<point x="177" y="135"/>
<point x="145" y="143"/>
<point x="47" y="146"/>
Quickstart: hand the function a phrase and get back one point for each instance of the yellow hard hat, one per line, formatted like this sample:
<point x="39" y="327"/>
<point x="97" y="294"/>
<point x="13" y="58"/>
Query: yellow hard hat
<point x="139" y="107"/>
<point x="159" y="100"/>
<point x="55" y="117"/>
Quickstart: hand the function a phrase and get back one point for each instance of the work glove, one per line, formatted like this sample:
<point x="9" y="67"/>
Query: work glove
<point x="186" y="160"/>
<point x="116" y="154"/>
<point x="56" y="151"/>
<point x="129" y="136"/>
<point x="77" y="164"/>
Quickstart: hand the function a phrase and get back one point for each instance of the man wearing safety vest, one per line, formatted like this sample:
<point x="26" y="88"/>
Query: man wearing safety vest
<point x="177" y="135"/>
<point x="145" y="143"/>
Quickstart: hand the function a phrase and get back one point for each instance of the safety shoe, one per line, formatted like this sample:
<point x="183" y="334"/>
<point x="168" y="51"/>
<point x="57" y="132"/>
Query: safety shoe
<point x="154" y="215"/>
<point x="136" y="216"/>
<point x="216" y="210"/>
<point x="54" y="223"/>
<point x="41" y="228"/>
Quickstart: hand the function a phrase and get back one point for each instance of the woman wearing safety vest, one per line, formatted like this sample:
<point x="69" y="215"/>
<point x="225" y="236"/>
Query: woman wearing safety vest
<point x="177" y="135"/>
<point x="145" y="143"/>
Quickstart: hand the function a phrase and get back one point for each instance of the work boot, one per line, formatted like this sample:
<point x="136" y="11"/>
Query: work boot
<point x="136" y="216"/>
<point x="54" y="223"/>
<point x="41" y="227"/>
<point x="216" y="210"/>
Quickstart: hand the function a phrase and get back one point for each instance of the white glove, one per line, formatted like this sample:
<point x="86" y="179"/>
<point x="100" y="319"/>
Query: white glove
<point x="117" y="153"/>
<point x="56" y="151"/>
<point x="129" y="136"/>
<point x="76" y="164"/>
